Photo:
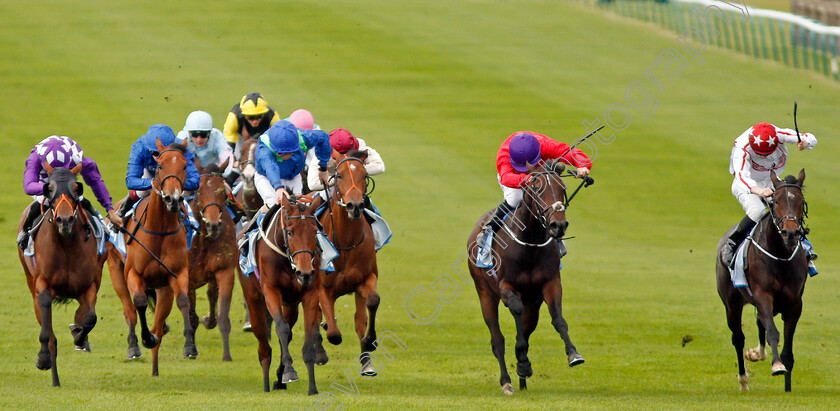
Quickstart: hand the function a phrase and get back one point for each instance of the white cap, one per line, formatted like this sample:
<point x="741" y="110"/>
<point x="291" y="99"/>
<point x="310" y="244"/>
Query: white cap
<point x="199" y="121"/>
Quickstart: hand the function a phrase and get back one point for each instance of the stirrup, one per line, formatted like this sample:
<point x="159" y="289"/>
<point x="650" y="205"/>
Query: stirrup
<point x="23" y="239"/>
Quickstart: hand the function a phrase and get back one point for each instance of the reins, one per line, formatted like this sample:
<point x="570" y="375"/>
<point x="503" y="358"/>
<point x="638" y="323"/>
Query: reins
<point x="339" y="201"/>
<point x="777" y="223"/>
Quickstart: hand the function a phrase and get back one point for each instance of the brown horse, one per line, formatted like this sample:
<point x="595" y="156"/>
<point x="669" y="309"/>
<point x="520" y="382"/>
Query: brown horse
<point x="776" y="273"/>
<point x="355" y="267"/>
<point x="65" y="265"/>
<point x="213" y="255"/>
<point x="287" y="259"/>
<point x="248" y="195"/>
<point x="158" y="217"/>
<point x="526" y="271"/>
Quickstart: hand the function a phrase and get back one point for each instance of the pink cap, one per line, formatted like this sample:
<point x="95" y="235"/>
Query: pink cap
<point x="342" y="141"/>
<point x="302" y="119"/>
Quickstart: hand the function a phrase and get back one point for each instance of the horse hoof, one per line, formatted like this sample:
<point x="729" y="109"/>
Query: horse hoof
<point x="247" y="327"/>
<point x="85" y="348"/>
<point x="755" y="354"/>
<point x="190" y="352"/>
<point x="278" y="385"/>
<point x="290" y="375"/>
<point x="334" y="339"/>
<point x="208" y="322"/>
<point x="324" y="325"/>
<point x="134" y="353"/>
<point x="743" y="382"/>
<point x="44" y="363"/>
<point x="507" y="389"/>
<point x="575" y="359"/>
<point x="313" y="392"/>
<point x="151" y="342"/>
<point x="779" y="369"/>
<point x="368" y="370"/>
<point x="524" y="370"/>
<point x="321" y="357"/>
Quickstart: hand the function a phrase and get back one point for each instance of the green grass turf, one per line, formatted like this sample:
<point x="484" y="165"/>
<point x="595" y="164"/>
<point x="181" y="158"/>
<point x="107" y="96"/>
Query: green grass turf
<point x="434" y="87"/>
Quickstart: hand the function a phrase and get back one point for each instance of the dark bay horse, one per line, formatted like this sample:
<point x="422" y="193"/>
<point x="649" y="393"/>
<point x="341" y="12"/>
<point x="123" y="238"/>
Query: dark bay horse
<point x="157" y="255"/>
<point x="65" y="265"/>
<point x="526" y="272"/>
<point x="287" y="262"/>
<point x="776" y="274"/>
<point x="213" y="257"/>
<point x="355" y="267"/>
<point x="248" y="195"/>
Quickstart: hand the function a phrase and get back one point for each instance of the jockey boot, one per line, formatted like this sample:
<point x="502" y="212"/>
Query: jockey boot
<point x="494" y="224"/>
<point x="231" y="178"/>
<point x="235" y="206"/>
<point x="735" y="239"/>
<point x="88" y="207"/>
<point x="369" y="206"/>
<point x="23" y="236"/>
<point x="126" y="205"/>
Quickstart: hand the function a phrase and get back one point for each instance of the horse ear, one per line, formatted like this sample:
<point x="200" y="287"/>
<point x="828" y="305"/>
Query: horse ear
<point x="223" y="166"/>
<point x="77" y="169"/>
<point x="198" y="165"/>
<point x="48" y="188"/>
<point x="801" y="178"/>
<point x="159" y="145"/>
<point x="774" y="179"/>
<point x="47" y="167"/>
<point x="531" y="167"/>
<point x="78" y="189"/>
<point x="559" y="167"/>
<point x="316" y="202"/>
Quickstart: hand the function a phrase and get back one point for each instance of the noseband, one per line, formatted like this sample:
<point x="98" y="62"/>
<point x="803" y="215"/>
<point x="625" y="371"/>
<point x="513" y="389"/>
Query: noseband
<point x="545" y="213"/>
<point x="779" y="222"/>
<point x="160" y="181"/>
<point x="288" y="253"/>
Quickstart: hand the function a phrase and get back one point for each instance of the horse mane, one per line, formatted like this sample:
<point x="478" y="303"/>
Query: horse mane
<point x="357" y="153"/>
<point x="179" y="147"/>
<point x="789" y="179"/>
<point x="212" y="168"/>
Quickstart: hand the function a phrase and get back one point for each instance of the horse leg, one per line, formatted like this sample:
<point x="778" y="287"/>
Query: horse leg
<point x="141" y="302"/>
<point x="49" y="349"/>
<point x="791" y="318"/>
<point x="530" y="318"/>
<point x="514" y="303"/>
<point x="209" y="320"/>
<point x="192" y="315"/>
<point x="116" y="270"/>
<point x="490" y="312"/>
<point x="273" y="302"/>
<point x="224" y="281"/>
<point x="759" y="353"/>
<point x="311" y="317"/>
<point x="734" y="310"/>
<point x="367" y="298"/>
<point x="85" y="319"/>
<point x="764" y="304"/>
<point x="255" y="305"/>
<point x="553" y="297"/>
<point x="180" y="287"/>
<point x="328" y="307"/>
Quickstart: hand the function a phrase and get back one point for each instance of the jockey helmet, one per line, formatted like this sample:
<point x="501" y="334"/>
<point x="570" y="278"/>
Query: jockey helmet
<point x="199" y="121"/>
<point x="342" y="141"/>
<point x="763" y="139"/>
<point x="253" y="104"/>
<point x="524" y="147"/>
<point x="302" y="119"/>
<point x="60" y="151"/>
<point x="284" y="138"/>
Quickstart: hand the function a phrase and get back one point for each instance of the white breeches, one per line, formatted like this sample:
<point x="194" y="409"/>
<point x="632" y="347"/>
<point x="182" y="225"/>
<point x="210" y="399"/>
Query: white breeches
<point x="753" y="206"/>
<point x="269" y="194"/>
<point x="513" y="196"/>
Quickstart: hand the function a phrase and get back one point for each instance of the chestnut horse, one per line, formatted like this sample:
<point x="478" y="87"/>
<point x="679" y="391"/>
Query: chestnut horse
<point x="287" y="259"/>
<point x="776" y="272"/>
<point x="248" y="195"/>
<point x="526" y="271"/>
<point x="65" y="265"/>
<point x="159" y="218"/>
<point x="355" y="267"/>
<point x="213" y="255"/>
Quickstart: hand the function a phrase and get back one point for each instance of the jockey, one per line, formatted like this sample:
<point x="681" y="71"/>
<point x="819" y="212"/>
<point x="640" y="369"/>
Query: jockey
<point x="208" y="144"/>
<point x="341" y="142"/>
<point x="248" y="119"/>
<point x="279" y="159"/>
<point x="142" y="166"/>
<point x="757" y="152"/>
<point x="517" y="151"/>
<point x="60" y="151"/>
<point x="303" y="120"/>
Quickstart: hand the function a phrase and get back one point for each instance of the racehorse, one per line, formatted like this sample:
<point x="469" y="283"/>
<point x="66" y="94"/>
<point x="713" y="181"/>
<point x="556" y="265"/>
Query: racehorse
<point x="248" y="195"/>
<point x="776" y="273"/>
<point x="355" y="267"/>
<point x="65" y="265"/>
<point x="213" y="255"/>
<point x="159" y="218"/>
<point x="287" y="259"/>
<point x="526" y="270"/>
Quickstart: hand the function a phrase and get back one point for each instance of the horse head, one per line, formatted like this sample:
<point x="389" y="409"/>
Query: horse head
<point x="246" y="161"/>
<point x="544" y="194"/>
<point x="789" y="208"/>
<point x="300" y="227"/>
<point x="351" y="183"/>
<point x="210" y="197"/>
<point x="170" y="175"/>
<point x="63" y="192"/>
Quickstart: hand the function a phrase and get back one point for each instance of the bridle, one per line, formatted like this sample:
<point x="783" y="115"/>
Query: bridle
<point x="291" y="254"/>
<point x="779" y="222"/>
<point x="202" y="208"/>
<point x="160" y="181"/>
<point x="544" y="214"/>
<point x="339" y="199"/>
